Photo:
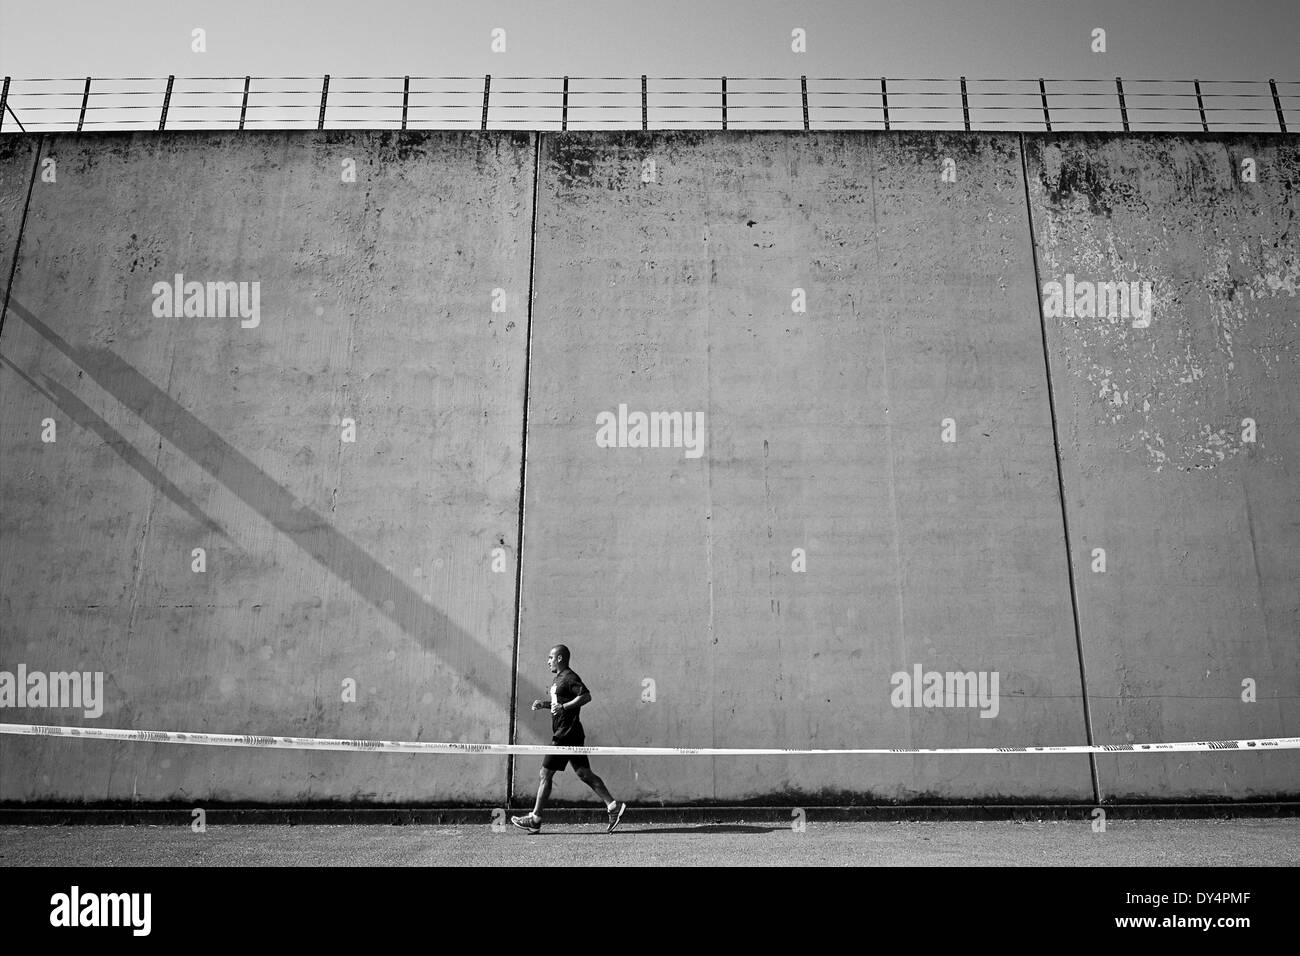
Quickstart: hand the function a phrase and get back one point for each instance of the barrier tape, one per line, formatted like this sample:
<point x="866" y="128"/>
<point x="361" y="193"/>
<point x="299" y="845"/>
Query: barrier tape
<point x="408" y="746"/>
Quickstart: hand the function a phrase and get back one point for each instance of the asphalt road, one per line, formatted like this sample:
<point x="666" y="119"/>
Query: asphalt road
<point x="997" y="843"/>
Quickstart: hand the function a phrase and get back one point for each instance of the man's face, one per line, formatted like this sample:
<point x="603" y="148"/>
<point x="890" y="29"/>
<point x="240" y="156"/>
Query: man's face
<point x="553" y="662"/>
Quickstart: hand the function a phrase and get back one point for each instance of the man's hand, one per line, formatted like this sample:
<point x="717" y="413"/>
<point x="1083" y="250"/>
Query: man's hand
<point x="539" y="705"/>
<point x="556" y="707"/>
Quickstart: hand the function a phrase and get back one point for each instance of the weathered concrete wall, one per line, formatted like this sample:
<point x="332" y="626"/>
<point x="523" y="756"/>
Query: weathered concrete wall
<point x="1200" y="528"/>
<point x="824" y="433"/>
<point x="326" y="561"/>
<point x="665" y="270"/>
<point x="16" y="156"/>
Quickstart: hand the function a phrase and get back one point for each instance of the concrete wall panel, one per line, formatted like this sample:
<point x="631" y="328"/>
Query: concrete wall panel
<point x="824" y="434"/>
<point x="326" y="561"/>
<point x="1201" y="528"/>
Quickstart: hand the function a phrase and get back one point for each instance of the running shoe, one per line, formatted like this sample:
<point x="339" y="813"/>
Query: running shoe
<point x="530" y="824"/>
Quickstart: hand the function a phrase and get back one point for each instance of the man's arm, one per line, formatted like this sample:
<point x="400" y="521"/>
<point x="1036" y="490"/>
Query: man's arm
<point x="579" y="701"/>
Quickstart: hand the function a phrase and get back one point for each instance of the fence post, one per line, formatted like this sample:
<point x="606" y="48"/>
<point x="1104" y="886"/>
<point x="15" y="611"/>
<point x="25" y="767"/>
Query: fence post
<point x="1042" y="92"/>
<point x="724" y="103"/>
<point x="1200" y="105"/>
<point x="884" y="100"/>
<point x="803" y="86"/>
<point x="406" y="97"/>
<point x="1277" y="105"/>
<point x="85" y="98"/>
<point x="487" y="92"/>
<point x="4" y="100"/>
<point x="324" y="95"/>
<point x="167" y="100"/>
<point x="243" y="107"/>
<point x="645" y="109"/>
<point x="965" y="106"/>
<point x="1123" y="110"/>
<point x="564" y="107"/>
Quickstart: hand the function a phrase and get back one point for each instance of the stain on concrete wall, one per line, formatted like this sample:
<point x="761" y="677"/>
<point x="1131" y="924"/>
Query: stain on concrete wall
<point x="17" y="155"/>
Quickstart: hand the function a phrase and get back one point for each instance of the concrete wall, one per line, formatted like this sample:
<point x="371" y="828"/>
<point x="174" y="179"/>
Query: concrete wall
<point x="326" y="561"/>
<point x="664" y="270"/>
<point x="16" y="157"/>
<point x="823" y="434"/>
<point x="1201" y="529"/>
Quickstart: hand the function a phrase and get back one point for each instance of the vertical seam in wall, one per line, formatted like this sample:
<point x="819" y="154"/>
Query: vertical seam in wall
<point x="1060" y="480"/>
<point x="708" y="495"/>
<point x="22" y="227"/>
<point x="523" y="477"/>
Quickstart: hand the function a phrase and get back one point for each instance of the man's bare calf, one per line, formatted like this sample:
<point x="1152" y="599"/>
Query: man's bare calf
<point x="585" y="774"/>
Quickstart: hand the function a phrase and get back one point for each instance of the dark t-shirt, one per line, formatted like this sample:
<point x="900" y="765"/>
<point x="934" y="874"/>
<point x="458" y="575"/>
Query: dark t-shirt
<point x="565" y="725"/>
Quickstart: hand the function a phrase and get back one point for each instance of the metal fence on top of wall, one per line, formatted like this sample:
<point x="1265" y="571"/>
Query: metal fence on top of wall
<point x="79" y="104"/>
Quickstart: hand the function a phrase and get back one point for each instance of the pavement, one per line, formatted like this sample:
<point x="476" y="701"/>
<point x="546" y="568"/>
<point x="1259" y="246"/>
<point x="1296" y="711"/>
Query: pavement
<point x="1254" y="842"/>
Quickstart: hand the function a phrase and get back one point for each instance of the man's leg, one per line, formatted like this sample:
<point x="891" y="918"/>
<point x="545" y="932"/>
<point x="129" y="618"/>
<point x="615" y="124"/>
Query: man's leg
<point x="588" y="776"/>
<point x="533" y="821"/>
<point x="543" y="792"/>
<point x="615" y="809"/>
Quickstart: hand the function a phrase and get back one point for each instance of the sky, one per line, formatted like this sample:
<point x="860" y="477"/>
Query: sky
<point x="1176" y="39"/>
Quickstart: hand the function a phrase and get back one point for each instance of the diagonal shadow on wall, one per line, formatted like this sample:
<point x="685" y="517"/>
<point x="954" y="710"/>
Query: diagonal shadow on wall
<point x="85" y="416"/>
<point x="333" y="550"/>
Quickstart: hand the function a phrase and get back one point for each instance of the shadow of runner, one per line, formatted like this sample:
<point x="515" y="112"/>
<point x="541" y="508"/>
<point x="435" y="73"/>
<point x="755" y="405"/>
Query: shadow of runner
<point x="307" y="529"/>
<point x="633" y="827"/>
<point x="701" y="828"/>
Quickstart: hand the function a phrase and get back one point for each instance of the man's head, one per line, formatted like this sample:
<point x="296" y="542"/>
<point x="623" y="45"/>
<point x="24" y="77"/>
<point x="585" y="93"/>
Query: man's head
<point x="558" y="659"/>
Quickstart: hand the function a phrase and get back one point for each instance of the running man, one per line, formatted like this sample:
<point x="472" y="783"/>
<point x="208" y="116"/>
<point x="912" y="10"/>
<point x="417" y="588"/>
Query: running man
<point x="568" y="694"/>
